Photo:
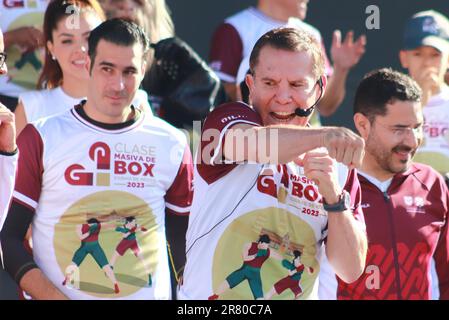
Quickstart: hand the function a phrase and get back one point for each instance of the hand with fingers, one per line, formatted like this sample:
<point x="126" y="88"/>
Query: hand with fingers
<point x="7" y="130"/>
<point x="344" y="146"/>
<point x="28" y="38"/>
<point x="319" y="167"/>
<point x="348" y="53"/>
<point x="428" y="80"/>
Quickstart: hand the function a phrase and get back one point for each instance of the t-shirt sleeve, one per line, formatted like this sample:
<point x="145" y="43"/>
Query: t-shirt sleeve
<point x="178" y="198"/>
<point x="8" y="164"/>
<point x="352" y="186"/>
<point x="210" y="160"/>
<point x="30" y="100"/>
<point x="226" y="52"/>
<point x="30" y="168"/>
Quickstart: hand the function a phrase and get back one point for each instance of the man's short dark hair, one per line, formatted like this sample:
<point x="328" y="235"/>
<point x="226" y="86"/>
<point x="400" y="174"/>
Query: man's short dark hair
<point x="120" y="32"/>
<point x="290" y="39"/>
<point x="264" y="239"/>
<point x="381" y="87"/>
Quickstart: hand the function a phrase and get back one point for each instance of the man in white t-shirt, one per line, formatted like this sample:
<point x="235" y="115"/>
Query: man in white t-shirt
<point x="425" y="53"/>
<point x="234" y="39"/>
<point x="84" y="173"/>
<point x="8" y="148"/>
<point x="251" y="194"/>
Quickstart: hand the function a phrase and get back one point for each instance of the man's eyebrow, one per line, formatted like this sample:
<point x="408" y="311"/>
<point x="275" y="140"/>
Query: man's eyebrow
<point x="107" y="64"/>
<point x="298" y="81"/>
<point x="407" y="126"/>
<point x="130" y="68"/>
<point x="267" y="79"/>
<point x="65" y="35"/>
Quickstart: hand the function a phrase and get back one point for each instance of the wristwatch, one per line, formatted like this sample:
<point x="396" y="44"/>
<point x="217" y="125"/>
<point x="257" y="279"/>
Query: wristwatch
<point x="343" y="204"/>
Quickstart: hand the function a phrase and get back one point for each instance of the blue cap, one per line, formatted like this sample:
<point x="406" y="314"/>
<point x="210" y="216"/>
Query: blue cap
<point x="427" y="28"/>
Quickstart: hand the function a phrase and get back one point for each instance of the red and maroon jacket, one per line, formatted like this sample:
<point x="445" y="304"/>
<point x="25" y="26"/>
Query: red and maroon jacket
<point x="406" y="226"/>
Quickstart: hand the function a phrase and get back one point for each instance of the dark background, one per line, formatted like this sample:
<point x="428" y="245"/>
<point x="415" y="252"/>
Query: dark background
<point x="195" y="21"/>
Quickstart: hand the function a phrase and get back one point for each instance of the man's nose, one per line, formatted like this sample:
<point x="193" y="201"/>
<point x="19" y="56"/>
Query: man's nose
<point x="283" y="95"/>
<point x="118" y="83"/>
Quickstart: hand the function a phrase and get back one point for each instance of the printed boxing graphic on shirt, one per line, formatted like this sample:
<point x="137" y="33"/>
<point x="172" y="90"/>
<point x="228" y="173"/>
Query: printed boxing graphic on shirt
<point x="107" y="229"/>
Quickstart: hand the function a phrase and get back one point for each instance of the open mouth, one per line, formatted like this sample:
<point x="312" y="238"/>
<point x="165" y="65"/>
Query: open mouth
<point x="79" y="63"/>
<point x="282" y="116"/>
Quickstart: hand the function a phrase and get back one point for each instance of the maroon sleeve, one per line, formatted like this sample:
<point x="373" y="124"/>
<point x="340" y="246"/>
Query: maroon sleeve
<point x="441" y="255"/>
<point x="211" y="165"/>
<point x="353" y="187"/>
<point x="226" y="52"/>
<point x="180" y="194"/>
<point x="30" y="168"/>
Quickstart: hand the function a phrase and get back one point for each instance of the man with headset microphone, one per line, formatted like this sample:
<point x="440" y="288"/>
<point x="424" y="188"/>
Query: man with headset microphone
<point x="262" y="173"/>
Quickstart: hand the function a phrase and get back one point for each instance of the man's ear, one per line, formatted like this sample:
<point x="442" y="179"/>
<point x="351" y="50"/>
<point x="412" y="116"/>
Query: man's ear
<point x="362" y="124"/>
<point x="403" y="59"/>
<point x="249" y="79"/>
<point x="144" y="69"/>
<point x="322" y="82"/>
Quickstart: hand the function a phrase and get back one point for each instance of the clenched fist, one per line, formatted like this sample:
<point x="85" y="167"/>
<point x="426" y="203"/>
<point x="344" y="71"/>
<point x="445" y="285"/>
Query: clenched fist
<point x="344" y="146"/>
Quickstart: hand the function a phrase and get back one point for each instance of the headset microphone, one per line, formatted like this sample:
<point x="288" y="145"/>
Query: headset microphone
<point x="307" y="112"/>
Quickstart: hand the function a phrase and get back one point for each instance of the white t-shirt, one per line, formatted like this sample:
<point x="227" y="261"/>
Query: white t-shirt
<point x="44" y="103"/>
<point x="75" y="170"/>
<point x="235" y="205"/>
<point x="8" y="166"/>
<point x="435" y="148"/>
<point x="24" y="67"/>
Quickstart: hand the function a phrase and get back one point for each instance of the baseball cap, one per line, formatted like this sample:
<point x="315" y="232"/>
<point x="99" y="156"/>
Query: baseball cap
<point x="427" y="28"/>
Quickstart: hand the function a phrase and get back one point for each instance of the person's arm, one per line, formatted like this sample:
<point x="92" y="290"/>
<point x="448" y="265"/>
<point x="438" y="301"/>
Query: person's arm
<point x="245" y="253"/>
<point x="8" y="166"/>
<point x="37" y="285"/>
<point x="28" y="38"/>
<point x="18" y="262"/>
<point x="441" y="257"/>
<point x="107" y="225"/>
<point x="8" y="159"/>
<point x="7" y="131"/>
<point x="79" y="232"/>
<point x="276" y="255"/>
<point x="21" y="119"/>
<point x="441" y="254"/>
<point x="346" y="245"/>
<point x="345" y="55"/>
<point x="178" y="200"/>
<point x="282" y="144"/>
